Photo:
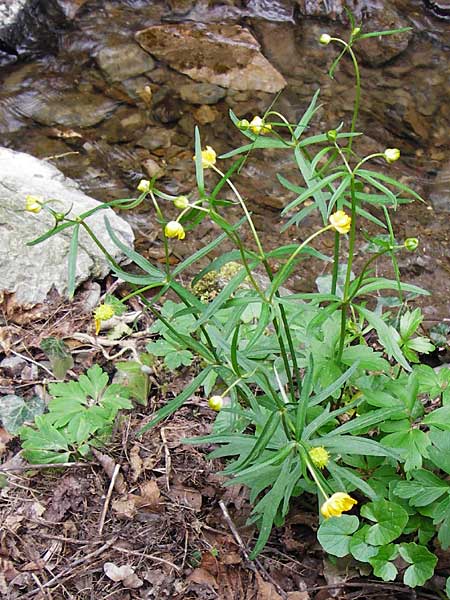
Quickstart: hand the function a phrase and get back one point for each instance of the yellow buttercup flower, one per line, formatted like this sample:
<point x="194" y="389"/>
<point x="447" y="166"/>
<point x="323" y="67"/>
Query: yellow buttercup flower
<point x="174" y="229"/>
<point x="103" y="312"/>
<point x="259" y="127"/>
<point x="391" y="154"/>
<point x="208" y="157"/>
<point x="337" y="504"/>
<point x="33" y="204"/>
<point x="341" y="221"/>
<point x="215" y="402"/>
<point x="319" y="456"/>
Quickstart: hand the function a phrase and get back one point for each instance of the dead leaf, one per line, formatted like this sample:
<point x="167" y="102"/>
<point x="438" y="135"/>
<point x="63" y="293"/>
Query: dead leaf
<point x="125" y="508"/>
<point x="125" y="574"/>
<point x="203" y="577"/>
<point x="298" y="596"/>
<point x="69" y="494"/>
<point x="109" y="465"/>
<point x="135" y="463"/>
<point x="186" y="497"/>
<point x="266" y="590"/>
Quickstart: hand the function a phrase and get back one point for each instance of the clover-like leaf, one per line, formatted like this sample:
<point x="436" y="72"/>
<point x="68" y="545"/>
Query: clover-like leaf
<point x="390" y="520"/>
<point x="334" y="534"/>
<point x="422" y="563"/>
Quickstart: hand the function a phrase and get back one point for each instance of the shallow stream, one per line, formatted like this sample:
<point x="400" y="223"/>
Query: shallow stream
<point x="107" y="127"/>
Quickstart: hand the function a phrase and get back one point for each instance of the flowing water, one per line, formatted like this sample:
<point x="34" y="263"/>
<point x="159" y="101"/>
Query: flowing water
<point x="108" y="133"/>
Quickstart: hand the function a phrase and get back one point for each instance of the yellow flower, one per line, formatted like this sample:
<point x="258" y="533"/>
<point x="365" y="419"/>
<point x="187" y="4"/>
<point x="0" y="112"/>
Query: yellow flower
<point x="103" y="312"/>
<point x="319" y="456"/>
<point x="325" y="39"/>
<point x="259" y="127"/>
<point x="215" y="402"/>
<point x="391" y="154"/>
<point x="33" y="204"/>
<point x="208" y="157"/>
<point x="144" y="186"/>
<point x="173" y="229"/>
<point x="181" y="202"/>
<point x="341" y="221"/>
<point x="337" y="504"/>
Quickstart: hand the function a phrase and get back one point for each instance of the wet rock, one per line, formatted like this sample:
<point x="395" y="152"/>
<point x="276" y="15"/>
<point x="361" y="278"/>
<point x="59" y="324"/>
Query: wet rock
<point x="155" y="137"/>
<point x="377" y="51"/>
<point x="202" y="93"/>
<point x="333" y="9"/>
<point x="124" y="60"/>
<point x="223" y="54"/>
<point x="167" y="107"/>
<point x="205" y="114"/>
<point x="28" y="26"/>
<point x="152" y="168"/>
<point x="71" y="109"/>
<point x="180" y="7"/>
<point x="31" y="272"/>
<point x="125" y="125"/>
<point x="439" y="190"/>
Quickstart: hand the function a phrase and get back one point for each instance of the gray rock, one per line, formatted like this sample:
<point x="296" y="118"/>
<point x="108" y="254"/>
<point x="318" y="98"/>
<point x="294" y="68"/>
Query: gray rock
<point x="156" y="137"/>
<point x="223" y="54"/>
<point x="31" y="271"/>
<point x="202" y="93"/>
<point x="438" y="191"/>
<point x="70" y="109"/>
<point x="125" y="60"/>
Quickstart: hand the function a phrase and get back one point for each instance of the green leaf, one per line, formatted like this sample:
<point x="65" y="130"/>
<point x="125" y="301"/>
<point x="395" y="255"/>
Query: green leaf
<point x="447" y="587"/>
<point x="176" y="403"/>
<point x="388" y="336"/>
<point x="60" y="358"/>
<point x="367" y="357"/>
<point x="359" y="548"/>
<point x="334" y="534"/>
<point x="382" y="567"/>
<point x="390" y="520"/>
<point x="422" y="563"/>
<point x="307" y="116"/>
<point x="413" y="445"/>
<point x="423" y="489"/>
<point x="132" y="375"/>
<point x="175" y="359"/>
<point x="439" y="452"/>
<point x="439" y="417"/>
<point x="15" y="411"/>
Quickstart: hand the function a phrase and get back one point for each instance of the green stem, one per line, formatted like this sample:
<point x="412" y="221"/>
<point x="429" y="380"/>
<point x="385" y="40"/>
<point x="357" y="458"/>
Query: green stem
<point x="166" y="244"/>
<point x="351" y="247"/>
<point x="98" y="243"/>
<point x="334" y="277"/>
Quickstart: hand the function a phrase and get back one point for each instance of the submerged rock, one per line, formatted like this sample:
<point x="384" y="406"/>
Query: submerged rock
<point x="125" y="60"/>
<point x="226" y="55"/>
<point x="30" y="272"/>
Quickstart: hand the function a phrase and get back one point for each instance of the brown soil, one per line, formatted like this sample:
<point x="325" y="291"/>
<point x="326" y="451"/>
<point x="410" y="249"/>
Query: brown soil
<point x="146" y="510"/>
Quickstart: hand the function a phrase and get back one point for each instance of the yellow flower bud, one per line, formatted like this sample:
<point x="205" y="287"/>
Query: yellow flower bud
<point x="243" y="124"/>
<point x="325" y="39"/>
<point x="259" y="127"/>
<point x="33" y="204"/>
<point x="173" y="229"/>
<point x="337" y="504"/>
<point x="341" y="221"/>
<point x="144" y="186"/>
<point x="356" y="31"/>
<point x="103" y="312"/>
<point x="411" y="244"/>
<point x="215" y="402"/>
<point x="391" y="154"/>
<point x="319" y="456"/>
<point x="332" y="135"/>
<point x="208" y="157"/>
<point x="181" y="202"/>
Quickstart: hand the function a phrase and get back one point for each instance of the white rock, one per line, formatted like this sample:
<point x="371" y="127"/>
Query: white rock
<point x="31" y="271"/>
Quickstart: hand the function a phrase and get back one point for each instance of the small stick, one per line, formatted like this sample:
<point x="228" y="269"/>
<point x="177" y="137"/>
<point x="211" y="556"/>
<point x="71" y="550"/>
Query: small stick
<point x="237" y="537"/>
<point x="108" y="499"/>
<point x="168" y="459"/>
<point x="144" y="555"/>
<point x="31" y="467"/>
<point x="28" y="359"/>
<point x="70" y="569"/>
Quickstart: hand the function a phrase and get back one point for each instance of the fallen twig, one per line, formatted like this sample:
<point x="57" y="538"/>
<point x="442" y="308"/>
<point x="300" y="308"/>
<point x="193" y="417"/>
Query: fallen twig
<point x="108" y="499"/>
<point x="145" y="555"/>
<point x="30" y="467"/>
